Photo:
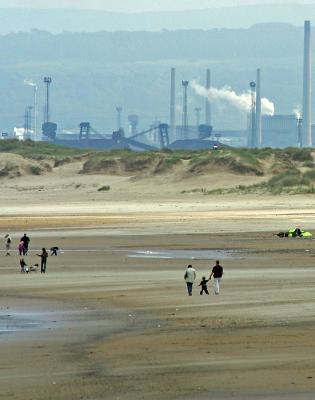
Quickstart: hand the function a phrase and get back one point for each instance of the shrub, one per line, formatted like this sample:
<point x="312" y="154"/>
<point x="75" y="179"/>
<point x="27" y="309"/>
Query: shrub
<point x="105" y="188"/>
<point x="309" y="164"/>
<point x="310" y="175"/>
<point x="299" y="154"/>
<point x="285" y="179"/>
<point x="35" y="170"/>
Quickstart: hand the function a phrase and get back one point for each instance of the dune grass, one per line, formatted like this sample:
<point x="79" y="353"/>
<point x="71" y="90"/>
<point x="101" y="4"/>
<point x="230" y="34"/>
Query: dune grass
<point x="38" y="150"/>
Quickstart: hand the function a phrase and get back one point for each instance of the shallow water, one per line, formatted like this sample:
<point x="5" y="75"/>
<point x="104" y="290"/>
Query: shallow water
<point x="187" y="254"/>
<point x="17" y="322"/>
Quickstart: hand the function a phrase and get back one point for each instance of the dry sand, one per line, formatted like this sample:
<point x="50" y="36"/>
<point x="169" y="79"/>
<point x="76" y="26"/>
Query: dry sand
<point x="103" y="325"/>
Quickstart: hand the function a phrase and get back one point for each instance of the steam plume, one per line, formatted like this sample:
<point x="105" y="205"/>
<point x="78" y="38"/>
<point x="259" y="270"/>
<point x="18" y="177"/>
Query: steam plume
<point x="29" y="83"/>
<point x="241" y="101"/>
<point x="297" y="112"/>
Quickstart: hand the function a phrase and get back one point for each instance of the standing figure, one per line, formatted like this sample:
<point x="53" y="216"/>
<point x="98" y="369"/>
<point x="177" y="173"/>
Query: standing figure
<point x="21" y="248"/>
<point x="217" y="273"/>
<point x="26" y="240"/>
<point x="203" y="285"/>
<point x="190" y="276"/>
<point x="7" y="244"/>
<point x="43" y="261"/>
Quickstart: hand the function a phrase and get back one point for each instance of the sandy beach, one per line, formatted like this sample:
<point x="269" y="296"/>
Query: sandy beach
<point x="111" y="319"/>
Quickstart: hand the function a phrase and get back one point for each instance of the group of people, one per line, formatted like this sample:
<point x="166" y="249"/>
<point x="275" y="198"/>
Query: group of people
<point x="23" y="249"/>
<point x="216" y="275"/>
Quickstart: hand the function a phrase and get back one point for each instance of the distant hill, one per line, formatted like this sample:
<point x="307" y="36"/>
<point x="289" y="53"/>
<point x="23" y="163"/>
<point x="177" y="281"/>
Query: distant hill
<point x="94" y="72"/>
<point x="15" y="20"/>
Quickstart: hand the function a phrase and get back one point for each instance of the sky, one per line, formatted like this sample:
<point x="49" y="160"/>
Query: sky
<point x="138" y="5"/>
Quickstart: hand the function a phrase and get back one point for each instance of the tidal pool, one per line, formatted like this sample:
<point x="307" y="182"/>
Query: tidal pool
<point x="187" y="254"/>
<point x="19" y="321"/>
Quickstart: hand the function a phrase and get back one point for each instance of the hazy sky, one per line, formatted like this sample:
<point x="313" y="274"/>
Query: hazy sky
<point x="138" y="5"/>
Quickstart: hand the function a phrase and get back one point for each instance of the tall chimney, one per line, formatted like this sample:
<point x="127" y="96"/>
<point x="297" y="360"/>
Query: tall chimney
<point x="307" y="87"/>
<point x="258" y="139"/>
<point x="208" y="105"/>
<point x="185" y="111"/>
<point x="172" y="109"/>
<point x="252" y="117"/>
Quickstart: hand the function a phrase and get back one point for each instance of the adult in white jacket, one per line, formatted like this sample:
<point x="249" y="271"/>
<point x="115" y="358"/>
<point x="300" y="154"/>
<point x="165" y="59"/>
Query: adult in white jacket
<point x="190" y="277"/>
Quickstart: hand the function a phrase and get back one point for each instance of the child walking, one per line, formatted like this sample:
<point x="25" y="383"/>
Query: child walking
<point x="203" y="285"/>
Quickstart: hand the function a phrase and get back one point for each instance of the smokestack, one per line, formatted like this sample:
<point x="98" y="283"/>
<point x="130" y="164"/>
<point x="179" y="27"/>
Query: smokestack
<point x="299" y="131"/>
<point x="252" y="117"/>
<point x="172" y="109"/>
<point x="307" y="88"/>
<point x="258" y="139"/>
<point x="185" y="111"/>
<point x="208" y="105"/>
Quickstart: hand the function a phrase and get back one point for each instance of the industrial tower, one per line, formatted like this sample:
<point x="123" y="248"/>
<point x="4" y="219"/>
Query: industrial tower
<point x="185" y="111"/>
<point x="307" y="87"/>
<point x="172" y="105"/>
<point x="119" y="111"/>
<point x="47" y="82"/>
<point x="252" y="117"/>
<point x="208" y="105"/>
<point x="258" y="132"/>
<point x="198" y="110"/>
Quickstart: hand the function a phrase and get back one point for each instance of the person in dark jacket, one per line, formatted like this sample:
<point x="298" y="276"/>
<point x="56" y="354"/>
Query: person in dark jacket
<point x="26" y="240"/>
<point x="204" y="287"/>
<point x="217" y="273"/>
<point x="54" y="251"/>
<point x="43" y="262"/>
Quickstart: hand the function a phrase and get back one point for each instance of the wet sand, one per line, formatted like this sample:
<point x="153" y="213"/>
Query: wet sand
<point x="111" y="326"/>
<point x="111" y="319"/>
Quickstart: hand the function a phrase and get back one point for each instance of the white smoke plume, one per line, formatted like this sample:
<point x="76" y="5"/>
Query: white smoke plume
<point x="241" y="101"/>
<point x="297" y="112"/>
<point x="29" y="83"/>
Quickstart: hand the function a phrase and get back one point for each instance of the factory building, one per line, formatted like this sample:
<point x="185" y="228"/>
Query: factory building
<point x="188" y="132"/>
<point x="279" y="131"/>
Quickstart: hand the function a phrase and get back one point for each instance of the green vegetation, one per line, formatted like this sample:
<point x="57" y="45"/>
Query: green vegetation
<point x="288" y="170"/>
<point x="310" y="175"/>
<point x="35" y="169"/>
<point x="285" y="167"/>
<point x="105" y="188"/>
<point x="37" y="150"/>
<point x="289" y="183"/>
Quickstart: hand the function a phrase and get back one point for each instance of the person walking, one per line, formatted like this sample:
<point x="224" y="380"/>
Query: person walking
<point x="217" y="273"/>
<point x="21" y="248"/>
<point x="43" y="261"/>
<point x="190" y="277"/>
<point x="204" y="287"/>
<point x="26" y="240"/>
<point x="7" y="244"/>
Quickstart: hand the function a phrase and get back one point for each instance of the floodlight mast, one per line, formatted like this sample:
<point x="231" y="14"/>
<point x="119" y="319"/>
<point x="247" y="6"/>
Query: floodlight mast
<point x="47" y="81"/>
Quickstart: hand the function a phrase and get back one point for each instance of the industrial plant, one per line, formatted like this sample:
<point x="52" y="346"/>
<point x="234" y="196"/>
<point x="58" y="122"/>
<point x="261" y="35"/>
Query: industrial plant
<point x="264" y="127"/>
